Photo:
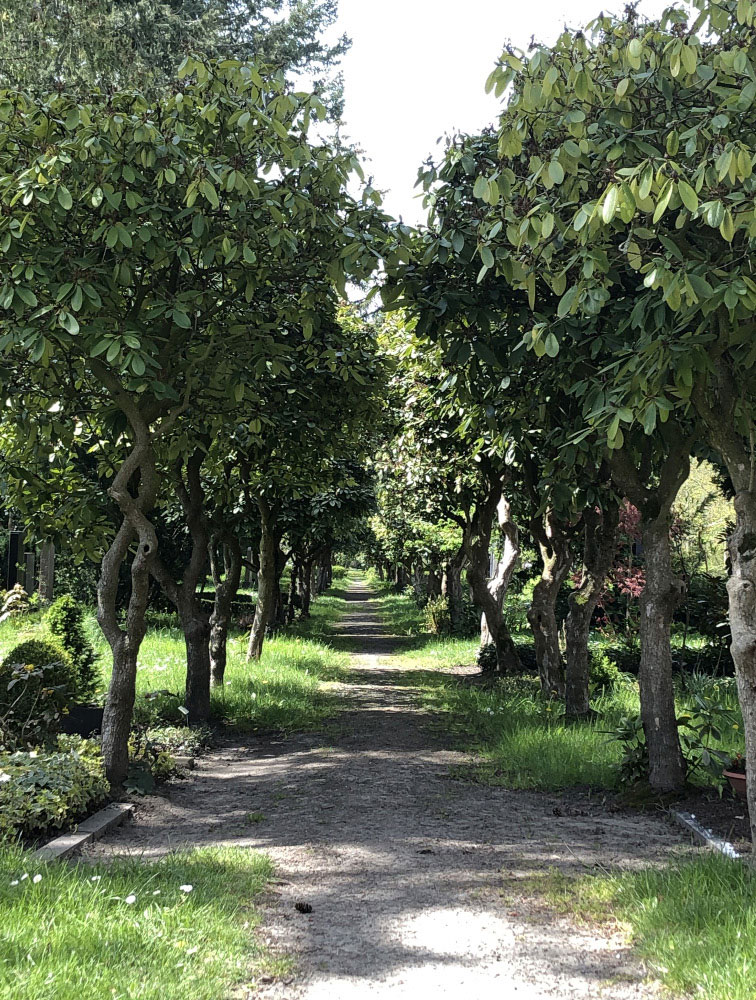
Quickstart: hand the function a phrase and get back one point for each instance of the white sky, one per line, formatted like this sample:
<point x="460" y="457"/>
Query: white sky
<point x="417" y="70"/>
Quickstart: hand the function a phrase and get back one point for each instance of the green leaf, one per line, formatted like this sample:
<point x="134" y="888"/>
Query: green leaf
<point x="480" y="188"/>
<point x="64" y="197"/>
<point x="688" y="196"/>
<point x="566" y="301"/>
<point x="486" y="256"/>
<point x="556" y="171"/>
<point x="551" y="345"/>
<point x="609" y="208"/>
<point x="181" y="319"/>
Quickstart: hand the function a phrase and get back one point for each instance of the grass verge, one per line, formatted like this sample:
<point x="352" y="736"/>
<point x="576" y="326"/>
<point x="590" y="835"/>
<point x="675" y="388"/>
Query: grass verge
<point x="127" y="931"/>
<point x="693" y="922"/>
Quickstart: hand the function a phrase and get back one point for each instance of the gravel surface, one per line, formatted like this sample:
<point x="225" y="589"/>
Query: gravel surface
<point x="420" y="884"/>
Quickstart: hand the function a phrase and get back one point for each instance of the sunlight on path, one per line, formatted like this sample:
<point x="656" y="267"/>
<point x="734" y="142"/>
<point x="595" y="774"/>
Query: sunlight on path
<point x="415" y="879"/>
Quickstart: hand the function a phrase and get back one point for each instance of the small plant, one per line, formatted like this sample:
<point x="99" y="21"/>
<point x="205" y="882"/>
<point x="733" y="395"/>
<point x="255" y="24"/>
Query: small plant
<point x="40" y="790"/>
<point x="37" y="681"/>
<point x="633" y="764"/>
<point x="254" y="817"/>
<point x="65" y="620"/>
<point x="15" y="602"/>
<point x="436" y="617"/>
<point x="604" y="674"/>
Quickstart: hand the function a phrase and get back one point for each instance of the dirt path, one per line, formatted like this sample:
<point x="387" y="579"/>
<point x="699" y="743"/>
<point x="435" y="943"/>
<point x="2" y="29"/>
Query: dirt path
<point x="415" y="879"/>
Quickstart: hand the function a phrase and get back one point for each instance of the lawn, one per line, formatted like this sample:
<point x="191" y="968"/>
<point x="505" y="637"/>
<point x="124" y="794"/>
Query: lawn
<point x="182" y="927"/>
<point x="694" y="922"/>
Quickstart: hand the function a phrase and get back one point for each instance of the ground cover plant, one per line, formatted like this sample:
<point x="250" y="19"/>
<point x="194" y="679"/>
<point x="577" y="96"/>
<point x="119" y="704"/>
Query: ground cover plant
<point x="179" y="926"/>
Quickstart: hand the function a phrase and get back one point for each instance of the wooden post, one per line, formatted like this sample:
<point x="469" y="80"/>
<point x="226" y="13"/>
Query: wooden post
<point x="248" y="575"/>
<point x="47" y="571"/>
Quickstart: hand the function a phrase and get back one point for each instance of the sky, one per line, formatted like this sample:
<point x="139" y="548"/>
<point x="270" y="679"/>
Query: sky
<point x="417" y="69"/>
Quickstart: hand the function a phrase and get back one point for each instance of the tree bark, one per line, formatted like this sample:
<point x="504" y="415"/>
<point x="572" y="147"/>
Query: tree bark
<point x="451" y="589"/>
<point x="226" y="589"/>
<point x="489" y="591"/>
<point x="195" y="621"/>
<point x="661" y="596"/>
<point x="125" y="642"/>
<point x="599" y="545"/>
<point x="556" y="559"/>
<point x="738" y="454"/>
<point x="267" y="583"/>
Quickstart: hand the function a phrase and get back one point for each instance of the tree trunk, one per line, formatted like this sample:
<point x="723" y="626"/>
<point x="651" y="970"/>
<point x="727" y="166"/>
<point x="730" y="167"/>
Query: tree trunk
<point x="125" y="641"/>
<point x="661" y="596"/>
<point x="195" y="621"/>
<point x="599" y="545"/>
<point x="451" y="589"/>
<point x="196" y="628"/>
<point x="226" y="589"/>
<point x="556" y="560"/>
<point x="489" y="591"/>
<point x="267" y="584"/>
<point x="306" y="584"/>
<point x="291" y="602"/>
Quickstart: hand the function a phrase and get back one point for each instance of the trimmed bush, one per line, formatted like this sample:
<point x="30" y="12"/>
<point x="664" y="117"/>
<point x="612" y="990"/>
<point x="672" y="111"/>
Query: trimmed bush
<point x="604" y="673"/>
<point x="41" y="791"/>
<point x="37" y="680"/>
<point x="65" y="620"/>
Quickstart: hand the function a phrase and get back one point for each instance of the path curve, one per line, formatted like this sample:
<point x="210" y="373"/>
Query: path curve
<point x="417" y="881"/>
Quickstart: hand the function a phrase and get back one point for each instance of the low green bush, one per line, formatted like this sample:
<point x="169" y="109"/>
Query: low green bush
<point x="604" y="673"/>
<point x="65" y="620"/>
<point x="41" y="790"/>
<point x="37" y="680"/>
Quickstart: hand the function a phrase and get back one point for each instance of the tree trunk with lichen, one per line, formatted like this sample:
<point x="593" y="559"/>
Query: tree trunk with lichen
<point x="556" y="560"/>
<point x="226" y="589"/>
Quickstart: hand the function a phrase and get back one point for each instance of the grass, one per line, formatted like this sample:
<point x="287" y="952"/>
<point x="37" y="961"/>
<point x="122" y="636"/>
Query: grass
<point x="286" y="691"/>
<point x="74" y="935"/>
<point x="694" y="921"/>
<point x="520" y="738"/>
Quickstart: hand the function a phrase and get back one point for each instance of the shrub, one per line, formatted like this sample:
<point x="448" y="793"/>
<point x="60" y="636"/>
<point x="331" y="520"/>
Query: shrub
<point x="39" y="791"/>
<point x="604" y="674"/>
<point x="37" y="680"/>
<point x="15" y="602"/>
<point x="65" y="619"/>
<point x="436" y="617"/>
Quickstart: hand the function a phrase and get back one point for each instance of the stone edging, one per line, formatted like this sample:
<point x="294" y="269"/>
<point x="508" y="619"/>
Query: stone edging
<point x="91" y="829"/>
<point x="689" y="822"/>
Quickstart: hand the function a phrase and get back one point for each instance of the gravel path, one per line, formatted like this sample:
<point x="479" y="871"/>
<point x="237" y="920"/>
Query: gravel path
<point x="418" y="882"/>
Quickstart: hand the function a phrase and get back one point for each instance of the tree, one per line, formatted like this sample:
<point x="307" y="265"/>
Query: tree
<point x="139" y="44"/>
<point x="204" y="226"/>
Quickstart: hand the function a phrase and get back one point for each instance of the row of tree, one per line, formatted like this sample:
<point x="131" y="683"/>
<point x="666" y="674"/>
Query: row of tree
<point x="582" y="308"/>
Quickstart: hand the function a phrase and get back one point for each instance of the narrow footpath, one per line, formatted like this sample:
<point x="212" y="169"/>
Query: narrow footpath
<point x="420" y="883"/>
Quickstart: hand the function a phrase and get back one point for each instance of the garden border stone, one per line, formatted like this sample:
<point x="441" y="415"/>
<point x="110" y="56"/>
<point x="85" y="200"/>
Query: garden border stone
<point x="90" y="829"/>
<point x="699" y="832"/>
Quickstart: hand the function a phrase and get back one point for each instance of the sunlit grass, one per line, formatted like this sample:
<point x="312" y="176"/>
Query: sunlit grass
<point x="128" y="929"/>
<point x="694" y="921"/>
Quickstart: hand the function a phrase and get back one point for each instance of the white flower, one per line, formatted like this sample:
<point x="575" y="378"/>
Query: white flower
<point x="37" y="878"/>
<point x="131" y="899"/>
<point x="23" y="877"/>
<point x="156" y="892"/>
<point x="96" y="878"/>
<point x="4" y="777"/>
<point x="14" y="882"/>
<point x="186" y="888"/>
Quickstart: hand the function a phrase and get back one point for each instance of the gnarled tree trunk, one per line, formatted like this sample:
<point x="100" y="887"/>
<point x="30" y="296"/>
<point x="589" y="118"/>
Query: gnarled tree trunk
<point x="556" y="559"/>
<point x="489" y="591"/>
<point x="125" y="641"/>
<point x="599" y="545"/>
<point x="226" y="589"/>
<point x="451" y="589"/>
<point x="267" y="583"/>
